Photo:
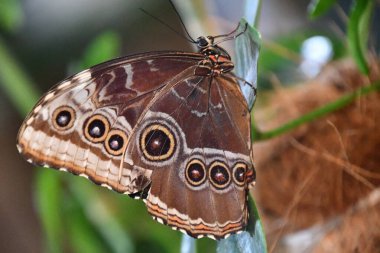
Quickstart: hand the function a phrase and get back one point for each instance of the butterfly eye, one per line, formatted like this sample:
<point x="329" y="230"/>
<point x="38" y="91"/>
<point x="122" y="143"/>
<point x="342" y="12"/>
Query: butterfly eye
<point x="219" y="175"/>
<point x="63" y="118"/>
<point x="202" y="42"/>
<point x="157" y="143"/>
<point x="195" y="172"/>
<point x="115" y="142"/>
<point x="239" y="173"/>
<point x="96" y="128"/>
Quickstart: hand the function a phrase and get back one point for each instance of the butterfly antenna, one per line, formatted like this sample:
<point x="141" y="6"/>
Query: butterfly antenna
<point x="182" y="23"/>
<point x="229" y="35"/>
<point x="168" y="26"/>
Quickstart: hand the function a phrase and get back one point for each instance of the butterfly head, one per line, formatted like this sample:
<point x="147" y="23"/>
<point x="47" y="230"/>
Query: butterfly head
<point x="217" y="60"/>
<point x="204" y="42"/>
<point x="208" y="47"/>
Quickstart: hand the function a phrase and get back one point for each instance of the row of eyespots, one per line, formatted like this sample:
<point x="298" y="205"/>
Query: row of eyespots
<point x="218" y="173"/>
<point x="96" y="129"/>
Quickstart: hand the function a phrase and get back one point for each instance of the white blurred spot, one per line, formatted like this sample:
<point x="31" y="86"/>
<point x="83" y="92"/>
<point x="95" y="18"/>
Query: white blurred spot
<point x="316" y="52"/>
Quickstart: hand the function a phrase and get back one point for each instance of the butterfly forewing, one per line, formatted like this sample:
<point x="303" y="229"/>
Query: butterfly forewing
<point x="108" y="98"/>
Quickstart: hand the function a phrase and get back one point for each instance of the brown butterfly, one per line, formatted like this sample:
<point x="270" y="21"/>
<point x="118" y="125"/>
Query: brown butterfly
<point x="171" y="127"/>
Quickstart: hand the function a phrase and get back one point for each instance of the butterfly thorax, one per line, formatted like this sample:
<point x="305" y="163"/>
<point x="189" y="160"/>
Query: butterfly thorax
<point x="217" y="61"/>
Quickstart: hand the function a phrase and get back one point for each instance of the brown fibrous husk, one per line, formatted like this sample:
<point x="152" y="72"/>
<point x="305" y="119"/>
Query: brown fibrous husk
<point x="323" y="169"/>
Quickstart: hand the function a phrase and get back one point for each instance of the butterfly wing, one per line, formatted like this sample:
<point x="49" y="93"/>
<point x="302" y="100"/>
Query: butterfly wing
<point x="83" y="124"/>
<point x="149" y="123"/>
<point x="195" y="140"/>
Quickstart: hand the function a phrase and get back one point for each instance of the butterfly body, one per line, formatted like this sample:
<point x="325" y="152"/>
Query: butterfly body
<point x="172" y="128"/>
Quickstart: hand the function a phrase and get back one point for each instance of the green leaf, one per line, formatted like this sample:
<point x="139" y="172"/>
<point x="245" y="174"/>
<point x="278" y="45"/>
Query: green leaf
<point x="11" y="15"/>
<point x="358" y="29"/>
<point x="250" y="241"/>
<point x="317" y="8"/>
<point x="247" y="47"/>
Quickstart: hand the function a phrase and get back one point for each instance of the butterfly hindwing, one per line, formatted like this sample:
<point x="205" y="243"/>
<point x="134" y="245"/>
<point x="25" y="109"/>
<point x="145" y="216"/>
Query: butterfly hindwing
<point x="193" y="138"/>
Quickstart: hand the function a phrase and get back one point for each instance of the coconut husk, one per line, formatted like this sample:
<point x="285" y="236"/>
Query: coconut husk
<point x="319" y="171"/>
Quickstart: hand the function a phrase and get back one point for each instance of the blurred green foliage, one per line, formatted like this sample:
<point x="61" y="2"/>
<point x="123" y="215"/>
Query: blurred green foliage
<point x="358" y="27"/>
<point x="317" y="8"/>
<point x="48" y="193"/>
<point x="11" y="15"/>
<point x="282" y="56"/>
<point x="358" y="31"/>
<point x="104" y="47"/>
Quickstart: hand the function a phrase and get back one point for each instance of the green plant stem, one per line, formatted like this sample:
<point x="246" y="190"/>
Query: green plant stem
<point x="317" y="8"/>
<point x="357" y="32"/>
<point x="48" y="197"/>
<point x="318" y="113"/>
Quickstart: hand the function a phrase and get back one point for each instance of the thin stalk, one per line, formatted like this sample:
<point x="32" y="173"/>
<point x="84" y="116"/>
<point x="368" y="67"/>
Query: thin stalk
<point x="317" y="113"/>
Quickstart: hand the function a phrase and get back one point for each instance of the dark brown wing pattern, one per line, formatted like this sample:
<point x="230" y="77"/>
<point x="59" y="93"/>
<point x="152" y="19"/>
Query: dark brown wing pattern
<point x="195" y="139"/>
<point x="155" y="126"/>
<point x="83" y="124"/>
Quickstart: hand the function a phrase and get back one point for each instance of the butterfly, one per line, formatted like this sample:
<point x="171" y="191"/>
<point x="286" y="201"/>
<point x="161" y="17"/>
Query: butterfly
<point x="172" y="128"/>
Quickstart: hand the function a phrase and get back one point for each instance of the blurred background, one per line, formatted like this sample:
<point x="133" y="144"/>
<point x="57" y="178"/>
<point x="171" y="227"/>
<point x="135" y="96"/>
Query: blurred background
<point x="317" y="188"/>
